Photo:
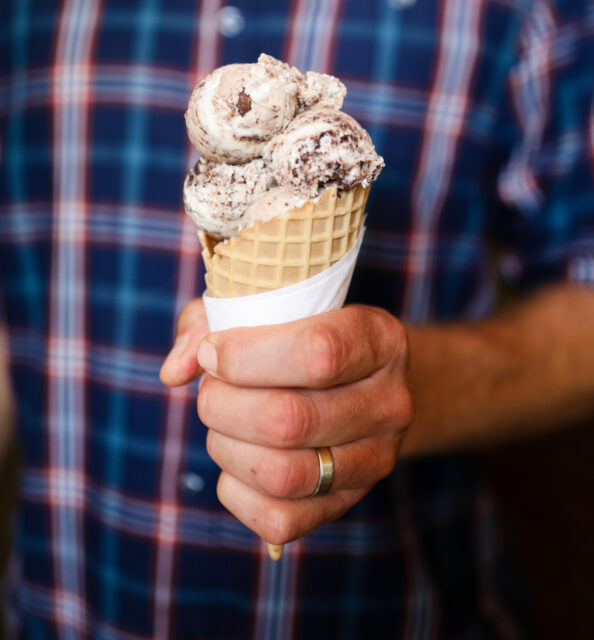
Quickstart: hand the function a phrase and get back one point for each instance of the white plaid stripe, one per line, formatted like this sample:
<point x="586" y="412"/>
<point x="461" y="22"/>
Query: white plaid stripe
<point x="312" y="34"/>
<point x="208" y="38"/>
<point x="67" y="349"/>
<point x="530" y="89"/>
<point x="277" y="589"/>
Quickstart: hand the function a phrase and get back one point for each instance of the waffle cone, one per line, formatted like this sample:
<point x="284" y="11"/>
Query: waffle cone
<point x="290" y="248"/>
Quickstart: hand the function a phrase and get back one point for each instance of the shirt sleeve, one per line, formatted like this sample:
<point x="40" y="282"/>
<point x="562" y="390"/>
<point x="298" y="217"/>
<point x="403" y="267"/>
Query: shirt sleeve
<point x="547" y="181"/>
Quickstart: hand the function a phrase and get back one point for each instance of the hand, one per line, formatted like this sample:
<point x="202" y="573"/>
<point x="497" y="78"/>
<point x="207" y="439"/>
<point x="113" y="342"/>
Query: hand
<point x="273" y="393"/>
<point x="181" y="365"/>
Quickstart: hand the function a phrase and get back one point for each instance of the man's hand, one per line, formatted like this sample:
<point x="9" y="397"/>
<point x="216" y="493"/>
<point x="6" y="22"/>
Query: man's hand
<point x="339" y="380"/>
<point x="181" y="365"/>
<point x="273" y="393"/>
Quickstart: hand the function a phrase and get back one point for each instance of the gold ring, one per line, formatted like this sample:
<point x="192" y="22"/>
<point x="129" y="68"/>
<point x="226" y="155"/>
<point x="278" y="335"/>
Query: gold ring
<point x="326" y="471"/>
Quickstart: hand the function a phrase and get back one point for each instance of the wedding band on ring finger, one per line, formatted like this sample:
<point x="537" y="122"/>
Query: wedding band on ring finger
<point x="326" y="465"/>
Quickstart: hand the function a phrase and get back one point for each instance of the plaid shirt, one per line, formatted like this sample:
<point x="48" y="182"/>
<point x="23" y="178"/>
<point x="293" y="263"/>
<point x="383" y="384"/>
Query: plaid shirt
<point x="482" y="110"/>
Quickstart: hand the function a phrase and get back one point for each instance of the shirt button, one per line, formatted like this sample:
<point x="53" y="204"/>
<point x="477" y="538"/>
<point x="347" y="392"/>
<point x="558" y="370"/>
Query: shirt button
<point x="231" y="21"/>
<point x="191" y="482"/>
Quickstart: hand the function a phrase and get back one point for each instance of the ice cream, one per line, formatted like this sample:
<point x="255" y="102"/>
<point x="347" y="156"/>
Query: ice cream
<point x="321" y="90"/>
<point x="236" y="109"/>
<point x="217" y="195"/>
<point x="270" y="205"/>
<point x="264" y="126"/>
<point x="322" y="147"/>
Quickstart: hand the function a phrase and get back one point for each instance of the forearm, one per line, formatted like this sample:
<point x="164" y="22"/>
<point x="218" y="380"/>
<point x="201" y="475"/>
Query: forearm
<point x="520" y="373"/>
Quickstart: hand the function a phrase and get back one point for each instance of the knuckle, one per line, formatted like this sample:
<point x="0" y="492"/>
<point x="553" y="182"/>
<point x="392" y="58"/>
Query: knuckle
<point x="287" y="477"/>
<point x="399" y="337"/>
<point x="379" y="331"/>
<point x="397" y="410"/>
<point x="386" y="461"/>
<point x="220" y="494"/>
<point x="281" y="527"/>
<point x="341" y="505"/>
<point x="407" y="407"/>
<point x="210" y="447"/>
<point x="289" y="420"/>
<point x="360" y="317"/>
<point x="325" y="354"/>
<point x="389" y="325"/>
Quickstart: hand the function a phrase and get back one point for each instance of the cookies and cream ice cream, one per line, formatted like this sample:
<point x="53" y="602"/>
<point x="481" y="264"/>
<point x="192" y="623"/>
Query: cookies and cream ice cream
<point x="217" y="195"/>
<point x="263" y="127"/>
<point x="320" y="147"/>
<point x="236" y="109"/>
<point x="270" y="205"/>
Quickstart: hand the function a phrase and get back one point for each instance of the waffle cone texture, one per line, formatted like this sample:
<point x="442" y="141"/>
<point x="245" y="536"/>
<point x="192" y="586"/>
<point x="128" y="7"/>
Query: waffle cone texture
<point x="290" y="248"/>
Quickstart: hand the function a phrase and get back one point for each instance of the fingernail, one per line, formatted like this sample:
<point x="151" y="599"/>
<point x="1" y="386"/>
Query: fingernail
<point x="181" y="342"/>
<point x="207" y="356"/>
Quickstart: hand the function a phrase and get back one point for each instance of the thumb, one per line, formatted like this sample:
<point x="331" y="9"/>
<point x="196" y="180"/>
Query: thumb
<point x="181" y="365"/>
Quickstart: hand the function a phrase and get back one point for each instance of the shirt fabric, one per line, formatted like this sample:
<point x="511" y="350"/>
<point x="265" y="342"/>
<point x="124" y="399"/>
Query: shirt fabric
<point x="483" y="113"/>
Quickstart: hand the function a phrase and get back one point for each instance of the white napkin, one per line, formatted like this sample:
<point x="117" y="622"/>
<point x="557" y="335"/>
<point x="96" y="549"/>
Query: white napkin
<point x="325" y="291"/>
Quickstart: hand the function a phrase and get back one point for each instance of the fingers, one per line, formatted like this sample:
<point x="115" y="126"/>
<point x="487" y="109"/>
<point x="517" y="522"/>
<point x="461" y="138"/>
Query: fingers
<point x="181" y="366"/>
<point x="318" y="352"/>
<point x="294" y="418"/>
<point x="292" y="474"/>
<point x="280" y="521"/>
<point x="275" y="392"/>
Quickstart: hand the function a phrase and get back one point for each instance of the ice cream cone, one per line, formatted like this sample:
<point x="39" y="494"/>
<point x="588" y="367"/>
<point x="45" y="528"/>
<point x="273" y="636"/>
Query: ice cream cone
<point x="275" y="551"/>
<point x="290" y="248"/>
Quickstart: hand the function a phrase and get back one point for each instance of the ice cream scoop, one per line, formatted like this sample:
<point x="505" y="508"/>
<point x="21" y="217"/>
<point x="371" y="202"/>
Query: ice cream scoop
<point x="236" y="109"/>
<point x="216" y="195"/>
<point x="322" y="147"/>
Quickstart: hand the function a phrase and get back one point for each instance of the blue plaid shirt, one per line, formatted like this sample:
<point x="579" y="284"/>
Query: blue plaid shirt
<point x="482" y="110"/>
